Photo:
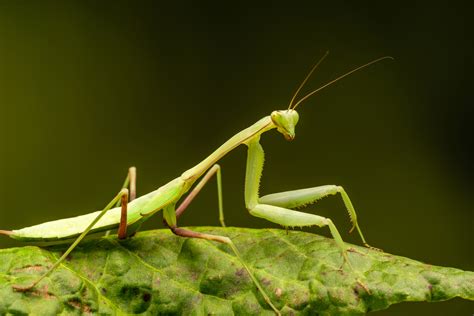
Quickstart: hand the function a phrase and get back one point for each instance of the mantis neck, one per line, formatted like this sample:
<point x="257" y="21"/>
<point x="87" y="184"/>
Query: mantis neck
<point x="241" y="137"/>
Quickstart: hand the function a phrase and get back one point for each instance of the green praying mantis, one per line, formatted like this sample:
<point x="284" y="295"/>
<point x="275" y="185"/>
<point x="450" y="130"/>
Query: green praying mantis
<point x="127" y="213"/>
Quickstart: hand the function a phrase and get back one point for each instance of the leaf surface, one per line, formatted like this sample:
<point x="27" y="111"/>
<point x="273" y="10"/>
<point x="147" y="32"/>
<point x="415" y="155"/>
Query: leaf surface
<point x="156" y="272"/>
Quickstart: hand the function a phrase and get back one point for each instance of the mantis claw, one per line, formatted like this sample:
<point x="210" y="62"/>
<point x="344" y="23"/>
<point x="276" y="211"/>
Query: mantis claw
<point x="352" y="229"/>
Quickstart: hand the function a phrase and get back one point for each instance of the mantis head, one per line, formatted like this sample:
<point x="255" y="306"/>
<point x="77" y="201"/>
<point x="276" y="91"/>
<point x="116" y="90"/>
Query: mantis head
<point x="285" y="122"/>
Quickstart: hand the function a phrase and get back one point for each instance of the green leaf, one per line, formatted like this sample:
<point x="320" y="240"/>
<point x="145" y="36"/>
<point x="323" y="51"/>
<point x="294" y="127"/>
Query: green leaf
<point x="156" y="272"/>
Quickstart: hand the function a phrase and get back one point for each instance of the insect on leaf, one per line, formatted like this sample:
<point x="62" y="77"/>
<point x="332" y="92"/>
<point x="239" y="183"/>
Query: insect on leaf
<point x="156" y="272"/>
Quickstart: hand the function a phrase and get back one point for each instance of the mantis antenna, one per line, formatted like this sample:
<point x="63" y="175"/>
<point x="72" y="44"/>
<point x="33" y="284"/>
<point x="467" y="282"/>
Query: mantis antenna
<point x="337" y="79"/>
<point x="306" y="78"/>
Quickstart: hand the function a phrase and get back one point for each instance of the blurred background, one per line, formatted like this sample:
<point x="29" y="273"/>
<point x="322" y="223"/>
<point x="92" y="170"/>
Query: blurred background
<point x="88" y="89"/>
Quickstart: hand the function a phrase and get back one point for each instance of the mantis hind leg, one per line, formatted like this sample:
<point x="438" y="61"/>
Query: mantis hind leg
<point x="130" y="183"/>
<point x="303" y="197"/>
<point x="118" y="197"/>
<point x="122" y="230"/>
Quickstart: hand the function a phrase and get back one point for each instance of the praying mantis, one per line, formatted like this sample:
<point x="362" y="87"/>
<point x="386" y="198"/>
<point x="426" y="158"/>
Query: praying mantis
<point x="127" y="212"/>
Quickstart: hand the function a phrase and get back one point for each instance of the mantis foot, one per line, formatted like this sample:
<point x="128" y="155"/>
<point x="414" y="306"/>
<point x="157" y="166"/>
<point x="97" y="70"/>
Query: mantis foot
<point x="355" y="251"/>
<point x="352" y="228"/>
<point x="364" y="286"/>
<point x="372" y="248"/>
<point x="346" y="260"/>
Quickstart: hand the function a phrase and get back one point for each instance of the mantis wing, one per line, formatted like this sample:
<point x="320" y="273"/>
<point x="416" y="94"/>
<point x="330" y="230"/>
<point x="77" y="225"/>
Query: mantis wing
<point x="64" y="230"/>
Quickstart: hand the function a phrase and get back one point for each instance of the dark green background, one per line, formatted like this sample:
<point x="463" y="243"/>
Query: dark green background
<point x="88" y="89"/>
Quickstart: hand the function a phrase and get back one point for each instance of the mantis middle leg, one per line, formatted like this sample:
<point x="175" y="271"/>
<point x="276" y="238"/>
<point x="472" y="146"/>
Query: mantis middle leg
<point x="130" y="183"/>
<point x="170" y="215"/>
